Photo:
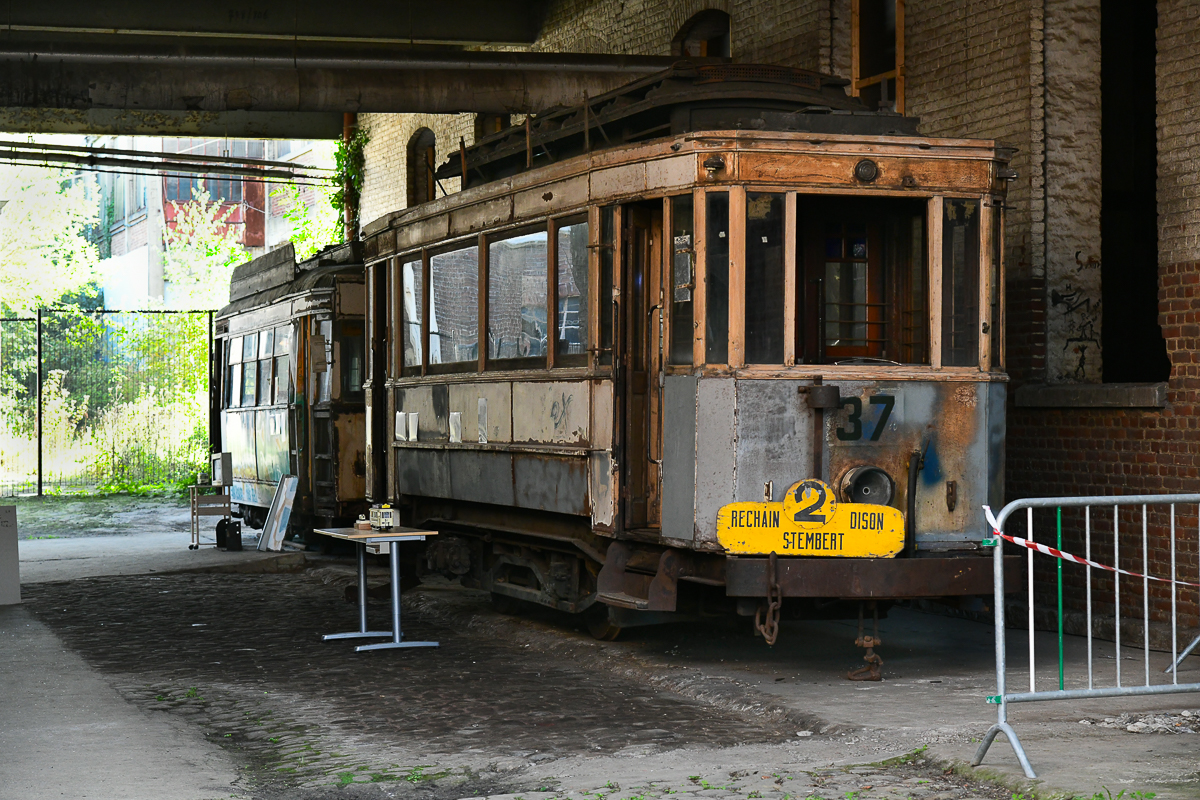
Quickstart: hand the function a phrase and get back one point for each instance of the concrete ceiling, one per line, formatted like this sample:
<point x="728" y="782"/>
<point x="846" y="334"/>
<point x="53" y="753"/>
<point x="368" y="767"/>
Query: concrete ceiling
<point x="280" y="70"/>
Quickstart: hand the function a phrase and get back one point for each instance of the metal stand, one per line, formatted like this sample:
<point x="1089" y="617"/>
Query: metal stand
<point x="202" y="504"/>
<point x="362" y="632"/>
<point x="1186" y="652"/>
<point x="397" y="635"/>
<point x="1006" y="729"/>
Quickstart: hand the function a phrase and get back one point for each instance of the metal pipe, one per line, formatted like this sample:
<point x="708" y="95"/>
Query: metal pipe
<point x="1111" y="691"/>
<point x="159" y="165"/>
<point x="1145" y="595"/>
<point x="351" y="58"/>
<point x="200" y="159"/>
<point x="1087" y="551"/>
<point x="1029" y="572"/>
<point x="1060" y="601"/>
<point x="1117" y="590"/>
<point x="1174" y="589"/>
<point x="38" y="415"/>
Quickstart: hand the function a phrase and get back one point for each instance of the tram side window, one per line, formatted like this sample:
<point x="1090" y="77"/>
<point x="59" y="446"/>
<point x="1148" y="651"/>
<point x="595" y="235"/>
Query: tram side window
<point x="865" y="280"/>
<point x="960" y="284"/>
<point x="716" y="282"/>
<point x="571" y="322"/>
<point x="454" y="306"/>
<point x="410" y="312"/>
<point x="266" y="386"/>
<point x="324" y="329"/>
<point x="283" y="354"/>
<point x="233" y="373"/>
<point x="250" y="369"/>
<point x="683" y="271"/>
<point x="764" y="278"/>
<point x="350" y="347"/>
<point x="605" y="289"/>
<point x="516" y="303"/>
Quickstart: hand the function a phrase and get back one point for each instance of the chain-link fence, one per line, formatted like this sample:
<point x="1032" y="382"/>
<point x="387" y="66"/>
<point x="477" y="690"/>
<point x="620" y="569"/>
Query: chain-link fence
<point x="102" y="399"/>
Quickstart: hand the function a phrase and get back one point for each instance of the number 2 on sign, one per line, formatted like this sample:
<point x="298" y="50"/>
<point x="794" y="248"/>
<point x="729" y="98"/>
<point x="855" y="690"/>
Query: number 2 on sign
<point x="854" y="427"/>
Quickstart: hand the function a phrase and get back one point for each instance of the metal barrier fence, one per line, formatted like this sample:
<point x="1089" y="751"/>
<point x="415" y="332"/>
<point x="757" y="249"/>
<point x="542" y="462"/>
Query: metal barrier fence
<point x="94" y="399"/>
<point x="1089" y="504"/>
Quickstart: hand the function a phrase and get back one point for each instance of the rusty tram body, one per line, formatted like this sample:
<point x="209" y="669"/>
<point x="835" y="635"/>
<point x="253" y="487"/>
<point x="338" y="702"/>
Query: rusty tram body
<point x="288" y="372"/>
<point x="693" y="291"/>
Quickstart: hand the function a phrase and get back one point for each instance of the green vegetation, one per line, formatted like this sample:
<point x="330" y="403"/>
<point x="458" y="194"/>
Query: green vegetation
<point x="312" y="228"/>
<point x="349" y="173"/>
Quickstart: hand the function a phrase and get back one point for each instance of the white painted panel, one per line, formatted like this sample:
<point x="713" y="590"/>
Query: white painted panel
<point x="551" y="413"/>
<point x="628" y="179"/>
<point x="669" y="173"/>
<point x="716" y="462"/>
<point x="602" y="415"/>
<point x="571" y="193"/>
<point x="602" y="481"/>
<point x="351" y="299"/>
<point x="465" y="399"/>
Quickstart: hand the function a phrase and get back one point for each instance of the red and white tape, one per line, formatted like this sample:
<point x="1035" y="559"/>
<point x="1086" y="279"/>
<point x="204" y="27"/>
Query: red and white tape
<point x="1056" y="553"/>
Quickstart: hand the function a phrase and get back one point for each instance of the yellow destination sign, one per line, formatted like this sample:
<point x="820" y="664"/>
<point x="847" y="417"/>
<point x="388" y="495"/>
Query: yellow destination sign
<point x="811" y="522"/>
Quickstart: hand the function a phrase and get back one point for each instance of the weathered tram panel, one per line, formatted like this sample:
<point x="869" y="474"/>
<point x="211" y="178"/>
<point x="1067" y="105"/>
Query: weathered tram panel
<point x="604" y="372"/>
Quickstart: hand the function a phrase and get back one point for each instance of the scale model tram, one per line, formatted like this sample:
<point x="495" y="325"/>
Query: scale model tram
<point x="722" y="339"/>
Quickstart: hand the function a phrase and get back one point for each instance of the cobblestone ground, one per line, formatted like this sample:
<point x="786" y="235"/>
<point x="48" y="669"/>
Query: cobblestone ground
<point x="481" y="716"/>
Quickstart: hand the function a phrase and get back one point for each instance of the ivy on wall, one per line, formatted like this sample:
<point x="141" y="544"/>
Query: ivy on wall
<point x="349" y="164"/>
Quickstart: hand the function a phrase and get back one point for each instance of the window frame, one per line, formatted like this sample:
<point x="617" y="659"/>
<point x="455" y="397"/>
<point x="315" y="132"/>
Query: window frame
<point x="444" y="367"/>
<point x="554" y="360"/>
<point x="858" y="82"/>
<point x="546" y="360"/>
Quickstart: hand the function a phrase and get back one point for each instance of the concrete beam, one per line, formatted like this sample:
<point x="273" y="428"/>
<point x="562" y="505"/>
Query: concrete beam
<point x="205" y="124"/>
<point x="400" y="21"/>
<point x="157" y="88"/>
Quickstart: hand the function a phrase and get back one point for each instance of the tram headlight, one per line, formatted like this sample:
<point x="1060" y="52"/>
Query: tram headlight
<point x="865" y="484"/>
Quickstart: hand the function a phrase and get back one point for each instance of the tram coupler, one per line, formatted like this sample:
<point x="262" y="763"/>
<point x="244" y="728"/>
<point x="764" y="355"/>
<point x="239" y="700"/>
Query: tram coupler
<point x="870" y="672"/>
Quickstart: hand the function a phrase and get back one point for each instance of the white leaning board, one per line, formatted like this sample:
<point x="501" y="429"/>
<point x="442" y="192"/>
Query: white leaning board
<point x="10" y="565"/>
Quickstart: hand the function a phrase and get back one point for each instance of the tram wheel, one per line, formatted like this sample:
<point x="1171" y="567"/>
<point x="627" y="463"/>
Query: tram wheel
<point x="505" y="604"/>
<point x="601" y="626"/>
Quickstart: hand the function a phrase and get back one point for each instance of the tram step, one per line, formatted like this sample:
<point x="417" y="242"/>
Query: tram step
<point x="623" y="600"/>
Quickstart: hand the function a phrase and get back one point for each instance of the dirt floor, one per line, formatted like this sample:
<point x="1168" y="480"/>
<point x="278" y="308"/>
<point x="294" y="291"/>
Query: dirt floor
<point x="72" y="516"/>
<point x="538" y="716"/>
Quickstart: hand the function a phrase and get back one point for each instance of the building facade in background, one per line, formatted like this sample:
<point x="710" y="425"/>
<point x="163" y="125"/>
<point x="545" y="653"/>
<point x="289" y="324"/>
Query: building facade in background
<point x="137" y="210"/>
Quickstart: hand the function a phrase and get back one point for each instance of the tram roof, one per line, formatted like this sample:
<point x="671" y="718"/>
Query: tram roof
<point x="277" y="274"/>
<point x="686" y="98"/>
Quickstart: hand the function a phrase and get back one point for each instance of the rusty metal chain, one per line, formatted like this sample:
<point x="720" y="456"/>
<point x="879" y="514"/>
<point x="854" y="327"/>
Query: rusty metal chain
<point x="872" y="671"/>
<point x="770" y="628"/>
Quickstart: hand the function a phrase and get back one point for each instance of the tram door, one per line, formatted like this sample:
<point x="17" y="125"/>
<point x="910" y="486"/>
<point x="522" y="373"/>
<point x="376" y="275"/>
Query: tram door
<point x="641" y="361"/>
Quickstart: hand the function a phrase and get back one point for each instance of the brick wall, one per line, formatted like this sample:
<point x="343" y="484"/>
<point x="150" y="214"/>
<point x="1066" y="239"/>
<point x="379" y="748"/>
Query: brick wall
<point x="1079" y="451"/>
<point x="385" y="179"/>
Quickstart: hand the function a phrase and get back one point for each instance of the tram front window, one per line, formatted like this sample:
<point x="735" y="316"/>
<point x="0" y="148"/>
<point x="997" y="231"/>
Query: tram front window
<point x="454" y="306"/>
<point x="864" y="281"/>
<point x="764" y="278"/>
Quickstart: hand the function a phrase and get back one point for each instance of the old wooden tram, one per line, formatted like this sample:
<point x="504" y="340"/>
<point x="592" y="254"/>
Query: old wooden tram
<point x="695" y="291"/>
<point x="289" y="367"/>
